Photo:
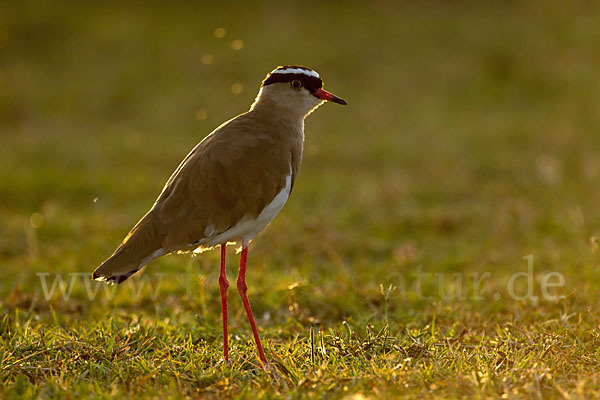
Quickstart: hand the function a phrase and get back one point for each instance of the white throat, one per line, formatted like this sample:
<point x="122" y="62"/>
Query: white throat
<point x="289" y="104"/>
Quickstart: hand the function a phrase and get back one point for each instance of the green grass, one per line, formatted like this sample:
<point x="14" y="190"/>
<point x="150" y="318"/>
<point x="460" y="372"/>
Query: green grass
<point x="471" y="140"/>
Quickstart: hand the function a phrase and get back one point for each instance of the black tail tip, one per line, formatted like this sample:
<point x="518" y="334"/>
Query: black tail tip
<point x="115" y="280"/>
<point x="112" y="280"/>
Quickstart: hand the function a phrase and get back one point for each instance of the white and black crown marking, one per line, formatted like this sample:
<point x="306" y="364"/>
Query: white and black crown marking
<point x="295" y="69"/>
<point x="310" y="79"/>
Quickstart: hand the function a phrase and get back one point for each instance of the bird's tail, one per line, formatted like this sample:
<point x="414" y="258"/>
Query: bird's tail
<point x="119" y="267"/>
<point x="141" y="246"/>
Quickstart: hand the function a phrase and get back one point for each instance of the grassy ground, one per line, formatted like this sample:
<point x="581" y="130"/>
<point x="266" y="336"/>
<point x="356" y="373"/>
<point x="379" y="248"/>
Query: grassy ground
<point x="470" y="141"/>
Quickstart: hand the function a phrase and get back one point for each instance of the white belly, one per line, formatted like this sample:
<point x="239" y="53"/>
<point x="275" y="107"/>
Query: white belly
<point x="245" y="230"/>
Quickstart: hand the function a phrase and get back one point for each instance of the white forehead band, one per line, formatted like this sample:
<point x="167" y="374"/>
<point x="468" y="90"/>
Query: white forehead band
<point x="308" y="72"/>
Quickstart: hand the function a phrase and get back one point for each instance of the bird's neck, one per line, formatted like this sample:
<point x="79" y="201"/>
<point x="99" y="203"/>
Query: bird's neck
<point x="278" y="111"/>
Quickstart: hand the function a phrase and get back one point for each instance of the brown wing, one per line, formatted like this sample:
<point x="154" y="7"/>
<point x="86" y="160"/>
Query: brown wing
<point x="233" y="173"/>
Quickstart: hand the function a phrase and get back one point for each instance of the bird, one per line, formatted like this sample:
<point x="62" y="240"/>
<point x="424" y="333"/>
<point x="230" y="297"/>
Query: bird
<point x="229" y="187"/>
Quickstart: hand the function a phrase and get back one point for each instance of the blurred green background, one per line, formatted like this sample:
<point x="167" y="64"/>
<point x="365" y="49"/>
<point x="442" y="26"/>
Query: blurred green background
<point x="472" y="128"/>
<point x="470" y="140"/>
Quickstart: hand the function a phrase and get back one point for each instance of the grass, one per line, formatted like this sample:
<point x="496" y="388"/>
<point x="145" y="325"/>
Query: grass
<point x="470" y="142"/>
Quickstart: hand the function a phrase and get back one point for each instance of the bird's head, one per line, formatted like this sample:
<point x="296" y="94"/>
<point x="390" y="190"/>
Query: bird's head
<point x="298" y="89"/>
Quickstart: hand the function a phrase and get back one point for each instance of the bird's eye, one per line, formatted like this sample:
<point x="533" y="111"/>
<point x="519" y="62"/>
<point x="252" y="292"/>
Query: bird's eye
<point x="296" y="84"/>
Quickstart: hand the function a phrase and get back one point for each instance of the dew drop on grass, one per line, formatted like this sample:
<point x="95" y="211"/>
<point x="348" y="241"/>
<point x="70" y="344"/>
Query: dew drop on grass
<point x="220" y="33"/>
<point x="36" y="220"/>
<point x="237" y="44"/>
<point x="207" y="59"/>
<point x="201" y="114"/>
<point x="237" y="88"/>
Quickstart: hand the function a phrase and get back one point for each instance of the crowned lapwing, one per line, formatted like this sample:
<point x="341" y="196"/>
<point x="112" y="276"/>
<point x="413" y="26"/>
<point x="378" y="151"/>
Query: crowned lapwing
<point x="230" y="186"/>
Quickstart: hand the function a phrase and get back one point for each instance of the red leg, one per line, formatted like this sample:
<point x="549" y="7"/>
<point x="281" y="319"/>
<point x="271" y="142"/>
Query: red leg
<point x="242" y="287"/>
<point x="223" y="285"/>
